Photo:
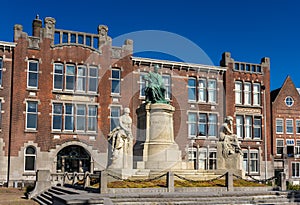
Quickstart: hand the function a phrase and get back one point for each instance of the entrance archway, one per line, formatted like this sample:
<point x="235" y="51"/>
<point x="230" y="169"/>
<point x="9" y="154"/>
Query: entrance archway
<point x="73" y="158"/>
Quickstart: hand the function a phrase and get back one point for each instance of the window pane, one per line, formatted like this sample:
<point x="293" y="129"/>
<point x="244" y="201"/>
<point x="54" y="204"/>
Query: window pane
<point x="192" y="89"/>
<point x="279" y="125"/>
<point x="257" y="127"/>
<point x="212" y="129"/>
<point x="115" y="83"/>
<point x="31" y="120"/>
<point x="114" y="117"/>
<point x="202" y="90"/>
<point x="239" y="126"/>
<point x="289" y="126"/>
<point x="212" y="90"/>
<point x="81" y="117"/>
<point x="238" y="92"/>
<point x="202" y="125"/>
<point x="33" y="66"/>
<point x="30" y="150"/>
<point x="29" y="163"/>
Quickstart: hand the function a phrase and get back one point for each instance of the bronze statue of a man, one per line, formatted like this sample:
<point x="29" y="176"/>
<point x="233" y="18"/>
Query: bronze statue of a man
<point x="155" y="89"/>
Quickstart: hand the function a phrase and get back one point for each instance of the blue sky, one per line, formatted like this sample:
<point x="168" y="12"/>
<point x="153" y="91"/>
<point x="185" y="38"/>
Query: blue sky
<point x="249" y="29"/>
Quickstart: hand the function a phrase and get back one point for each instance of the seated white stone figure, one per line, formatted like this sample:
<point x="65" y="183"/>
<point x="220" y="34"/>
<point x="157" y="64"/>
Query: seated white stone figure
<point x="230" y="141"/>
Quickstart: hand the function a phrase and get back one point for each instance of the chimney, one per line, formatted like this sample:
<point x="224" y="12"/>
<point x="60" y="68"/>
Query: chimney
<point x="36" y="26"/>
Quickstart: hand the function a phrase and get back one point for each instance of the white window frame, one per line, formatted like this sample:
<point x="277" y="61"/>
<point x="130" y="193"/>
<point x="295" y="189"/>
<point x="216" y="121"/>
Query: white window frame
<point x="254" y="159"/>
<point x="80" y="116"/>
<point x="31" y="113"/>
<point x="240" y="126"/>
<point x="238" y="86"/>
<point x="203" y="157"/>
<point x="29" y="155"/>
<point x="279" y="144"/>
<point x="279" y="123"/>
<point x="168" y="87"/>
<point x="143" y="84"/>
<point x="93" y="78"/>
<point x="289" y="123"/>
<point x="256" y="94"/>
<point x="212" y="159"/>
<point x="54" y="114"/>
<point x="33" y="72"/>
<point x="298" y="127"/>
<point x="247" y="93"/>
<point x="59" y="75"/>
<point x="212" y="125"/>
<point x="117" y="80"/>
<point x="202" y="88"/>
<point x="297" y="148"/>
<point x="81" y="78"/>
<point x="70" y="115"/>
<point x="295" y="169"/>
<point x="212" y="90"/>
<point x="192" y="123"/>
<point x="192" y="89"/>
<point x="255" y="126"/>
<point x="70" y="75"/>
<point x="116" y="118"/>
<point x="248" y="126"/>
<point x="92" y="118"/>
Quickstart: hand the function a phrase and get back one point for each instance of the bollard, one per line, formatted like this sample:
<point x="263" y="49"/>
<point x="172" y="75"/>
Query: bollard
<point x="86" y="179"/>
<point x="229" y="181"/>
<point x="103" y="182"/>
<point x="170" y="181"/>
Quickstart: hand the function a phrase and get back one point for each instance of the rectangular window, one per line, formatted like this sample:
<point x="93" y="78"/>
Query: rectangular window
<point x="202" y="90"/>
<point x="212" y="125"/>
<point x="32" y="75"/>
<point x="236" y="66"/>
<point x="192" y="155"/>
<point x="212" y="91"/>
<point x="297" y="147"/>
<point x="238" y="92"/>
<point x="114" y="117"/>
<point x="115" y="82"/>
<point x="192" y="89"/>
<point x="253" y="162"/>
<point x="93" y="79"/>
<point x="289" y="126"/>
<point x="257" y="127"/>
<point x="31" y="114"/>
<point x="203" y="159"/>
<point x="245" y="160"/>
<point x="248" y="127"/>
<point x="256" y="94"/>
<point x="57" y="116"/>
<point x="143" y="84"/>
<point x="69" y="117"/>
<point x="295" y="169"/>
<point x="247" y="93"/>
<point x="1" y="69"/>
<point x="212" y="162"/>
<point x="192" y="124"/>
<point x="167" y="83"/>
<point x="279" y="146"/>
<point x="81" y="79"/>
<point x="279" y="126"/>
<point x="297" y="126"/>
<point x="58" y="76"/>
<point x="202" y="125"/>
<point x="80" y="117"/>
<point x="239" y="126"/>
<point x="92" y="118"/>
<point x="70" y="78"/>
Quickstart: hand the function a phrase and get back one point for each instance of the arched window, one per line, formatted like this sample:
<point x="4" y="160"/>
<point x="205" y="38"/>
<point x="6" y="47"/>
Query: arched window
<point x="30" y="156"/>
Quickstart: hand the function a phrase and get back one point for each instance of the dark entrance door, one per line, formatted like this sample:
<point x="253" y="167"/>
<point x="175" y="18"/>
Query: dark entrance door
<point x="73" y="159"/>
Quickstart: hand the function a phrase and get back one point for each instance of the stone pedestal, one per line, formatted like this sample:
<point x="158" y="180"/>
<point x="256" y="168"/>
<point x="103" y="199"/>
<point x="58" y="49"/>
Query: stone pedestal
<point x="232" y="163"/>
<point x="159" y="150"/>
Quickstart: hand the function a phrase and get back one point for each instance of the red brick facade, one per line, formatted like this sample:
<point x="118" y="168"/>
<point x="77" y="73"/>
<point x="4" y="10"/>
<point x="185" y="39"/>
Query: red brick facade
<point x="202" y="96"/>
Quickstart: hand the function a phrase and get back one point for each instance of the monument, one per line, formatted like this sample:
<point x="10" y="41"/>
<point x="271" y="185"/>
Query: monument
<point x="122" y="145"/>
<point x="155" y="128"/>
<point x="229" y="152"/>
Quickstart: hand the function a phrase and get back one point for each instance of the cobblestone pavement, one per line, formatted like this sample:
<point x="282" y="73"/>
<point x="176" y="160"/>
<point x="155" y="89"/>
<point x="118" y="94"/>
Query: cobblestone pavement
<point x="13" y="196"/>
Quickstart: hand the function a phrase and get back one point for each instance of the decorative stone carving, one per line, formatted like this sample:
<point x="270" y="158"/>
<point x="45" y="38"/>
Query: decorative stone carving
<point x="49" y="27"/>
<point x="121" y="142"/>
<point x="229" y="152"/>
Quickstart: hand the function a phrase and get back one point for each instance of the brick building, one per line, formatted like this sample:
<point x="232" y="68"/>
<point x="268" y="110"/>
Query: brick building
<point x="69" y="88"/>
<point x="6" y="69"/>
<point x="247" y="94"/>
<point x="286" y="130"/>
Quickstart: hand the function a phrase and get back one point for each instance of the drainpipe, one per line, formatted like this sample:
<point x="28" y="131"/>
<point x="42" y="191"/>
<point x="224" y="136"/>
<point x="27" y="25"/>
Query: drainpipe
<point x="265" y="131"/>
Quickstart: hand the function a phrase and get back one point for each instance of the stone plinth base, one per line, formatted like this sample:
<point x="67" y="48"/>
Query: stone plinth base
<point x="160" y="151"/>
<point x="233" y="162"/>
<point x="123" y="173"/>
